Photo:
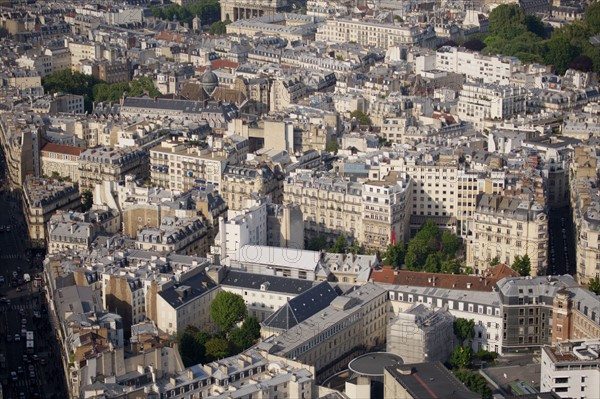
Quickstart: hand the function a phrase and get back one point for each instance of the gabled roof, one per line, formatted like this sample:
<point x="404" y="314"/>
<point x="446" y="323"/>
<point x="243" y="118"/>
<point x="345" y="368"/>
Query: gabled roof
<point x="302" y="307"/>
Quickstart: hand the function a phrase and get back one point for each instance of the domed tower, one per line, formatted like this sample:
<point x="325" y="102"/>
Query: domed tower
<point x="209" y="82"/>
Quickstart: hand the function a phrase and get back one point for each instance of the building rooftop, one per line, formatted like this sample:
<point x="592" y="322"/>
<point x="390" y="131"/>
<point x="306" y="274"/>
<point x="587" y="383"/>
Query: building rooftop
<point x="63" y="149"/>
<point x="372" y="364"/>
<point x="303" y="306"/>
<point x="387" y="275"/>
<point x="188" y="290"/>
<point x="266" y="283"/>
<point x="430" y="380"/>
<point x="280" y="257"/>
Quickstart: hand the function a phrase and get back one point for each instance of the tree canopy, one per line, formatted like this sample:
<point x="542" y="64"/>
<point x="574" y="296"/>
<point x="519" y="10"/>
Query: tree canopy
<point x="431" y="248"/>
<point x="522" y="265"/>
<point x="394" y="255"/>
<point x="464" y="329"/>
<point x="461" y="357"/>
<point x="340" y="245"/>
<point x="475" y="382"/>
<point x="594" y="285"/>
<point x="227" y="309"/>
<point x="67" y="81"/>
<point x="362" y="118"/>
<point x="524" y="36"/>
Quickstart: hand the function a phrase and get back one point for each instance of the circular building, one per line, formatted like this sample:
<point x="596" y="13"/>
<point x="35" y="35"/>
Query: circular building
<point x="364" y="376"/>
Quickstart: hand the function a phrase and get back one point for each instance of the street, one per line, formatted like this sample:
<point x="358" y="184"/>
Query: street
<point x="561" y="250"/>
<point x="38" y="373"/>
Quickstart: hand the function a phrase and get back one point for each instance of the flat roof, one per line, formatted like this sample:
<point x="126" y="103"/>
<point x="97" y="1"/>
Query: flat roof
<point x="373" y="364"/>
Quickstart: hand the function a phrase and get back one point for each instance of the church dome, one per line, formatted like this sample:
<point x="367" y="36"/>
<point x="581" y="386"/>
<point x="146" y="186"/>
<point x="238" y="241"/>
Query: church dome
<point x="209" y="81"/>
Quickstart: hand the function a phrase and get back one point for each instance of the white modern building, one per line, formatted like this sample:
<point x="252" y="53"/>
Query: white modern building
<point x="571" y="369"/>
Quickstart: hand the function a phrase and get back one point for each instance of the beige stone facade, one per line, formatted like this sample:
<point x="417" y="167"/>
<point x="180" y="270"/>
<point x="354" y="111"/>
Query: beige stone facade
<point x="242" y="183"/>
<point x="506" y="227"/>
<point x="104" y="163"/>
<point x="62" y="160"/>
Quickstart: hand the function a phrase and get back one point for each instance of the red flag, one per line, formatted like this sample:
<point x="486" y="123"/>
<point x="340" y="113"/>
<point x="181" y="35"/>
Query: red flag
<point x="393" y="237"/>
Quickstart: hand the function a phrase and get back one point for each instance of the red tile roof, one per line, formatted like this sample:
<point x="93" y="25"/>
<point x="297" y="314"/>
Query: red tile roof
<point x="63" y="149"/>
<point x="388" y="275"/>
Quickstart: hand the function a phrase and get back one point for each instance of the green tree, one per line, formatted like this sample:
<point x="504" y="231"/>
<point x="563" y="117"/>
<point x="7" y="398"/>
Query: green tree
<point x="560" y="53"/>
<point x="87" y="200"/>
<point x="432" y="263"/>
<point x="464" y="329"/>
<point x="522" y="265"/>
<point x="535" y="25"/>
<point x="394" y="255"/>
<point x="217" y="348"/>
<point x="356" y="248"/>
<point x="594" y="285"/>
<point x="582" y="63"/>
<point x="475" y="382"/>
<point x="592" y="17"/>
<point x="461" y="357"/>
<point x="143" y="85"/>
<point x="474" y="45"/>
<point x="332" y="147"/>
<point x="450" y="266"/>
<point x="317" y="243"/>
<point x="243" y="337"/>
<point x="362" y="118"/>
<point x="340" y="245"/>
<point x="505" y="19"/>
<point x="219" y="27"/>
<point x="191" y="346"/>
<point x="67" y="81"/>
<point x="450" y="243"/>
<point x="226" y="310"/>
<point x="495" y="261"/>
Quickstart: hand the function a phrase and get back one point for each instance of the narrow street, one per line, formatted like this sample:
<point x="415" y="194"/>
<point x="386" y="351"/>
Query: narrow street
<point x="22" y="308"/>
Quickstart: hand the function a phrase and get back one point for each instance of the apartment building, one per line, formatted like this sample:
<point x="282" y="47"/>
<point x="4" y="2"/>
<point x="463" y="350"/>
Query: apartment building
<point x="245" y="227"/>
<point x="241" y="183"/>
<point x="330" y="206"/>
<point x="484" y="105"/>
<point x="21" y="140"/>
<point x="527" y="310"/>
<point x="328" y="340"/>
<point x="571" y="369"/>
<point x="263" y="294"/>
<point x="464" y="298"/>
<point x="60" y="159"/>
<point x="434" y="192"/>
<point x="575" y="315"/>
<point x="81" y="51"/>
<point x="585" y="206"/>
<point x="187" y="304"/>
<point x="73" y="236"/>
<point x="178" y="166"/>
<point x="477" y="67"/>
<point x="41" y="199"/>
<point x="186" y="236"/>
<point x="116" y="72"/>
<point x="375" y="34"/>
<point x="247" y="9"/>
<point x="386" y="211"/>
<point x="285" y="92"/>
<point x="507" y="227"/>
<point x="104" y="163"/>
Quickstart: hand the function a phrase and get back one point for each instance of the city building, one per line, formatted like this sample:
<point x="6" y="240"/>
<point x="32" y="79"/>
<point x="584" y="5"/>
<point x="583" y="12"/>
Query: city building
<point x="176" y="165"/>
<point x="375" y="34"/>
<point x="571" y="369"/>
<point x="104" y="163"/>
<point x="423" y="381"/>
<point x="506" y="227"/>
<point x="484" y="105"/>
<point x="41" y="199"/>
<point x="421" y="335"/>
<point x="329" y="339"/>
<point x="234" y="10"/>
<point x="61" y="160"/>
